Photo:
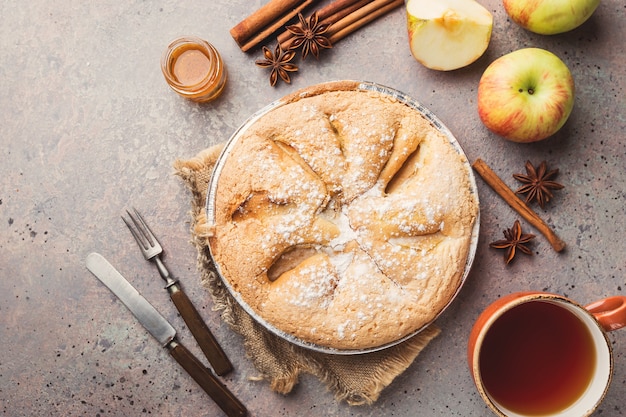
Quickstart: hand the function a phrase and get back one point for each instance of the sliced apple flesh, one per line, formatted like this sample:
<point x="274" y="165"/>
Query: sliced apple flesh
<point x="448" y="34"/>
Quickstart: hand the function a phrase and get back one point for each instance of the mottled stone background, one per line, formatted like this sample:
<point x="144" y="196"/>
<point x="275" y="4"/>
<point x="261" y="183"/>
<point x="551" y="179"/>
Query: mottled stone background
<point x="88" y="127"/>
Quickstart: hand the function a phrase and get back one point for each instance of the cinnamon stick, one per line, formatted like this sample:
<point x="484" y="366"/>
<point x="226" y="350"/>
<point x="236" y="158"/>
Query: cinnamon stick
<point x="492" y="179"/>
<point x="360" y="18"/>
<point x="328" y="14"/>
<point x="334" y="14"/>
<point x="266" y="20"/>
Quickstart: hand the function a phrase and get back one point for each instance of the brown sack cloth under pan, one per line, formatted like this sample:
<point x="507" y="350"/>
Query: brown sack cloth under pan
<point x="356" y="379"/>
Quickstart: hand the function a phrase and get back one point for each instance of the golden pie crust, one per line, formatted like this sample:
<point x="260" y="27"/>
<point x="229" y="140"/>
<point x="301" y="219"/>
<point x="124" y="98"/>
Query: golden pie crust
<point x="343" y="218"/>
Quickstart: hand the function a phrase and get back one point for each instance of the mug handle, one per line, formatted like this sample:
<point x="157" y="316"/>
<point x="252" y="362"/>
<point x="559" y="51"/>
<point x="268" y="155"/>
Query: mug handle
<point x="610" y="312"/>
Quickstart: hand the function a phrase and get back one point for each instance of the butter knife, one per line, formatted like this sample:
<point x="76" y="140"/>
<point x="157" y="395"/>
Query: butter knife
<point x="164" y="333"/>
<point x="152" y="250"/>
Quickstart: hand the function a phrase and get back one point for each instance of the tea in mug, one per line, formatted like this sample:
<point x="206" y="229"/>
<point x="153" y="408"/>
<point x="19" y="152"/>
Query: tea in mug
<point x="537" y="358"/>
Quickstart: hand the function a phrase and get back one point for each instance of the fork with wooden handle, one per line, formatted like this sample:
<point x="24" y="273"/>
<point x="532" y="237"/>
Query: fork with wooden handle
<point x="152" y="250"/>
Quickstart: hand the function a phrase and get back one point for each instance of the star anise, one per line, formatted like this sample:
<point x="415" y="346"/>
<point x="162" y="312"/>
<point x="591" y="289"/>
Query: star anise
<point x="538" y="183"/>
<point x="310" y="35"/>
<point x="279" y="63"/>
<point x="513" y="241"/>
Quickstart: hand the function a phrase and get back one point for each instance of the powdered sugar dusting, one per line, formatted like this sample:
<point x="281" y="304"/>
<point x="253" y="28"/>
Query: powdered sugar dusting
<point x="315" y="175"/>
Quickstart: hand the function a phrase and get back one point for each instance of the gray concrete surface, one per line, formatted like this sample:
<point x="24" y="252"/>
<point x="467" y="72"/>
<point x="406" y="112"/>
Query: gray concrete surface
<point x="88" y="127"/>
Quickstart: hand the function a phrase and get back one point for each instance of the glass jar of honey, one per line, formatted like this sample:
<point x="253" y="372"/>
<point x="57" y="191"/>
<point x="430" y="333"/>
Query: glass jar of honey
<point x="194" y="69"/>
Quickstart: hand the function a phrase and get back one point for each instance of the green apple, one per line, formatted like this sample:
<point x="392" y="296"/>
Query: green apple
<point x="549" y="17"/>
<point x="448" y="34"/>
<point x="526" y="95"/>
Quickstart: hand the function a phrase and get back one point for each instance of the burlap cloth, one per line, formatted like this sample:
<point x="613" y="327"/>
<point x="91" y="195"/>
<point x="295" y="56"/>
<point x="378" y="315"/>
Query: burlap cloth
<point x="356" y="379"/>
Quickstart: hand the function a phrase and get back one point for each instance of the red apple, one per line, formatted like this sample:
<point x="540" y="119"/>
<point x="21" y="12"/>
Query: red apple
<point x="549" y="17"/>
<point x="526" y="95"/>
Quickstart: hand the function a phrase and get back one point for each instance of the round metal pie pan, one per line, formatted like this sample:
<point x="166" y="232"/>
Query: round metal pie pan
<point x="312" y="91"/>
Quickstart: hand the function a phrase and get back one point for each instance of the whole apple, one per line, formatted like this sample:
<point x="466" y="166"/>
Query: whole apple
<point x="526" y="95"/>
<point x="549" y="17"/>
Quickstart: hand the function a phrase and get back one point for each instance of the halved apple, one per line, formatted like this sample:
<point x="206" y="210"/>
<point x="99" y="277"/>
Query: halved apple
<point x="448" y="34"/>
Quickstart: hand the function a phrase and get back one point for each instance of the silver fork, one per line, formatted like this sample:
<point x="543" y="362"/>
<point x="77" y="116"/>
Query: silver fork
<point x="152" y="250"/>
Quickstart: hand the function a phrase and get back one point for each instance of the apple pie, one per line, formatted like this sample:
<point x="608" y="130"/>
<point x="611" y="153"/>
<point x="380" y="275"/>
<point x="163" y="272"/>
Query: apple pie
<point x="343" y="217"/>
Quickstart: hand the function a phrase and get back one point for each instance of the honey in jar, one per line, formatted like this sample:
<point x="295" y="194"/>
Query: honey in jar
<point x="194" y="69"/>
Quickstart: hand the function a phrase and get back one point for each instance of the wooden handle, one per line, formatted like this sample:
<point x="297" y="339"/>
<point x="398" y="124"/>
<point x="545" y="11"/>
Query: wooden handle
<point x="207" y="342"/>
<point x="209" y="383"/>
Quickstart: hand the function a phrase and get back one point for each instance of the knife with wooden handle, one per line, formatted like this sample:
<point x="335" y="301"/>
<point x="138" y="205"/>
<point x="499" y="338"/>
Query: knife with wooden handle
<point x="151" y="249"/>
<point x="164" y="333"/>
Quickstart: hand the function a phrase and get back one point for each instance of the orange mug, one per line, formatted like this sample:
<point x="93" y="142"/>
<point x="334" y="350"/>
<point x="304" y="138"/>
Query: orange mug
<point x="536" y="353"/>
